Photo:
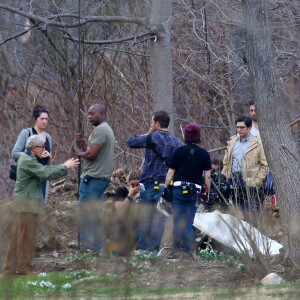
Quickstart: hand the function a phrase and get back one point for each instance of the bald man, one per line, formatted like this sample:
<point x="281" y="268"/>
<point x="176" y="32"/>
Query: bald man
<point x="97" y="171"/>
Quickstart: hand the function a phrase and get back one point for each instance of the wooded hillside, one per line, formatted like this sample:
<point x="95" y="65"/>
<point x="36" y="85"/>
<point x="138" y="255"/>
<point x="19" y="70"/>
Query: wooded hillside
<point x="41" y="62"/>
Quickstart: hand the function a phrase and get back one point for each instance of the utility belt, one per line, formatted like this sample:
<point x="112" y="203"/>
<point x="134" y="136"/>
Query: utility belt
<point x="157" y="182"/>
<point x="87" y="178"/>
<point x="187" y="187"/>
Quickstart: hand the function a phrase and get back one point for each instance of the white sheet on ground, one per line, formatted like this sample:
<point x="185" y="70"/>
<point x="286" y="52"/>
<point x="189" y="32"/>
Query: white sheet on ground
<point x="234" y="233"/>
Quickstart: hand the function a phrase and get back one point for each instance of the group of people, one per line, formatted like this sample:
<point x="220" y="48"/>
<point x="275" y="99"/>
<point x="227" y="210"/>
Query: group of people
<point x="180" y="171"/>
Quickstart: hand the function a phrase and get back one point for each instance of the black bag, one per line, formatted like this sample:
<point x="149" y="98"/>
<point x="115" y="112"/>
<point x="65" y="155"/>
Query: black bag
<point x="13" y="168"/>
<point x="167" y="194"/>
<point x="13" y="172"/>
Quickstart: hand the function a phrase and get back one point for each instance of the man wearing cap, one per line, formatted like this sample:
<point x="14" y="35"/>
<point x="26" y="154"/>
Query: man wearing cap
<point x="159" y="144"/>
<point x="246" y="165"/>
<point x="186" y="168"/>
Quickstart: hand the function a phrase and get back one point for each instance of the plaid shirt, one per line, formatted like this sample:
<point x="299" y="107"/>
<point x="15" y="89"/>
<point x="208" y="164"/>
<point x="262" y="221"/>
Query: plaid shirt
<point x="154" y="166"/>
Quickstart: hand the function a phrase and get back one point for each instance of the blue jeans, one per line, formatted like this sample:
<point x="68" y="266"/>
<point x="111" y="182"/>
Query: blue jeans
<point x="152" y="222"/>
<point x="91" y="194"/>
<point x="184" y="210"/>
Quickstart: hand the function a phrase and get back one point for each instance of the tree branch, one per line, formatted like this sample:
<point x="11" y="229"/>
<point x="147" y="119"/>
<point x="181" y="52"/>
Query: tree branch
<point x="19" y="34"/>
<point x="116" y="41"/>
<point x="84" y="19"/>
<point x="97" y="49"/>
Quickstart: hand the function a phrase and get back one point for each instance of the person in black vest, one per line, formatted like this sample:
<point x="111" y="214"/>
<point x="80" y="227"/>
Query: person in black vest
<point x="186" y="168"/>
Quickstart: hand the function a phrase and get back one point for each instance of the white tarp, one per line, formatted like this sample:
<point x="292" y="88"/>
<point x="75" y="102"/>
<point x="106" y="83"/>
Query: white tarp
<point x="235" y="234"/>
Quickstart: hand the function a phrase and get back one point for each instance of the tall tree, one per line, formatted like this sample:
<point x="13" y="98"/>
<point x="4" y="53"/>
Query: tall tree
<point x="279" y="145"/>
<point x="161" y="58"/>
<point x="38" y="58"/>
<point x="157" y="24"/>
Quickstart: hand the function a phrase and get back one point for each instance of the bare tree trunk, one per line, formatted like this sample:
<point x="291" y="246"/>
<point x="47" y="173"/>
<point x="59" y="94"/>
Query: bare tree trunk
<point x="161" y="58"/>
<point x="277" y="138"/>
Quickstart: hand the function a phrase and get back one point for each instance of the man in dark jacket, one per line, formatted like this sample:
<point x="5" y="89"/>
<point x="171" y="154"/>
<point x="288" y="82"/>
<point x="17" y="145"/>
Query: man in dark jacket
<point x="159" y="144"/>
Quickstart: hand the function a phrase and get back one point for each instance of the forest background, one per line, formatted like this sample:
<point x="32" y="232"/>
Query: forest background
<point x="190" y="57"/>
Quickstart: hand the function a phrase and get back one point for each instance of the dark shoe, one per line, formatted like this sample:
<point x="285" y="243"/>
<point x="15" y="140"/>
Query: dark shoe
<point x="173" y="255"/>
<point x="188" y="256"/>
<point x="25" y="272"/>
<point x="7" y="273"/>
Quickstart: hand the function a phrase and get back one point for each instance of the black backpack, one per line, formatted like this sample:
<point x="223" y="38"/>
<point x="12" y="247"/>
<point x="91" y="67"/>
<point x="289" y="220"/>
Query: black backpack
<point x="13" y="168"/>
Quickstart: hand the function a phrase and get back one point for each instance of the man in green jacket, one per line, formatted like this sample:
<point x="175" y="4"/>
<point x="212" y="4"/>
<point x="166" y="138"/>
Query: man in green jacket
<point x="246" y="165"/>
<point x="28" y="200"/>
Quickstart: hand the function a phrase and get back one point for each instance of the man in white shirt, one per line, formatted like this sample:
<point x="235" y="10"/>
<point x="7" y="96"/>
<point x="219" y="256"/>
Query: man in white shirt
<point x="269" y="188"/>
<point x="254" y="128"/>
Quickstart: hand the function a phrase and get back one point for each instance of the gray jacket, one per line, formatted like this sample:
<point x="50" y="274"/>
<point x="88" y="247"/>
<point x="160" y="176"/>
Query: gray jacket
<point x="21" y="142"/>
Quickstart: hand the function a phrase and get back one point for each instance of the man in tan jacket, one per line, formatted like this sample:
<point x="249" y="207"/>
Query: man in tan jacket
<point x="246" y="166"/>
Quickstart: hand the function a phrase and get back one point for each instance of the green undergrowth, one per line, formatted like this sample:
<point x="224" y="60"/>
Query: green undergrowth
<point x="228" y="260"/>
<point x="86" y="285"/>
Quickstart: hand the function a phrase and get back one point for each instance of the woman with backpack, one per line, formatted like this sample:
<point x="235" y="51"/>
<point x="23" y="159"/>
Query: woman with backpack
<point x="40" y="116"/>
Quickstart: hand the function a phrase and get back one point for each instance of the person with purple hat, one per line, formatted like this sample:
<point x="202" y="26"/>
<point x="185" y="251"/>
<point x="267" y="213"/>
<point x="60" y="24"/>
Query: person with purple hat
<point x="187" y="166"/>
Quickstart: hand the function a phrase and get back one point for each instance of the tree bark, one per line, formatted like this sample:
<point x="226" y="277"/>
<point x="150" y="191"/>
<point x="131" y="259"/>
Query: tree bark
<point x="279" y="145"/>
<point x="161" y="58"/>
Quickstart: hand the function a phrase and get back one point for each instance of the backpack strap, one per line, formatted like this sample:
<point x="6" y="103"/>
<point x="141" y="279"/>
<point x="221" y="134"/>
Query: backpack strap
<point x="190" y="157"/>
<point x="150" y="144"/>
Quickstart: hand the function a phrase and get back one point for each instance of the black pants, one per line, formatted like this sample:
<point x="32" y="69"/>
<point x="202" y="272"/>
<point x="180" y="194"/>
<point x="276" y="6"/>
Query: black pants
<point x="245" y="197"/>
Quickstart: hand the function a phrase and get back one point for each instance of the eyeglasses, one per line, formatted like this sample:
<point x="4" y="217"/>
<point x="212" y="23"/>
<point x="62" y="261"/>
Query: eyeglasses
<point x="240" y="127"/>
<point x="40" y="146"/>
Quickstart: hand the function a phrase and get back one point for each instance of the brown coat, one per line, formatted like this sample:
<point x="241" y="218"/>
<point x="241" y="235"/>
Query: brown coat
<point x="255" y="166"/>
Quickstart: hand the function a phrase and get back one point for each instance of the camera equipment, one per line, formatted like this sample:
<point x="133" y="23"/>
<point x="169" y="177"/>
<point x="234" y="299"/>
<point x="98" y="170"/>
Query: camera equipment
<point x="164" y="207"/>
<point x="220" y="192"/>
<point x="167" y="194"/>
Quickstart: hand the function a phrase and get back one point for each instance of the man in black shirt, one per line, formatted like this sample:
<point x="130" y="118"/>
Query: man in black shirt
<point x="186" y="168"/>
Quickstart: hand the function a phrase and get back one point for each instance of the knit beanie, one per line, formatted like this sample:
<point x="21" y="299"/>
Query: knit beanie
<point x="192" y="133"/>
